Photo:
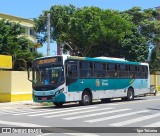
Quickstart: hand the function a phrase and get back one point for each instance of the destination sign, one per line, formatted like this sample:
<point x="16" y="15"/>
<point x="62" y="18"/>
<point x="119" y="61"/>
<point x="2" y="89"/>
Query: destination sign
<point x="48" y="60"/>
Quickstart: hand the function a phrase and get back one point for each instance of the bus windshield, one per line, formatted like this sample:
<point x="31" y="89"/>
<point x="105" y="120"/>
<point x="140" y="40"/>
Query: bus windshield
<point x="48" y="77"/>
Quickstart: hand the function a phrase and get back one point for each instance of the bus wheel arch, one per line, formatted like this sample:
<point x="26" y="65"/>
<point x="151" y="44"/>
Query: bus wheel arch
<point x="58" y="104"/>
<point x="86" y="98"/>
<point x="130" y="93"/>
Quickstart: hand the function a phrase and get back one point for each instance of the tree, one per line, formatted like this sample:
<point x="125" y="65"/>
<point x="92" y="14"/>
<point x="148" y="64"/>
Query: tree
<point x="60" y="18"/>
<point x="84" y="29"/>
<point x="9" y="37"/>
<point x="92" y="31"/>
<point x="147" y="28"/>
<point x="155" y="59"/>
<point x="12" y="43"/>
<point x="114" y="29"/>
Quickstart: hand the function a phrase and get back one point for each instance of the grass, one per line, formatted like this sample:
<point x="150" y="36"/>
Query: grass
<point x="47" y="104"/>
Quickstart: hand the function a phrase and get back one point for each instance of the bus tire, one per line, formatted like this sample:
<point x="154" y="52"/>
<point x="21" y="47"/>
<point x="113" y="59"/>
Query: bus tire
<point x="58" y="104"/>
<point x="124" y="99"/>
<point x="86" y="98"/>
<point x="105" y="100"/>
<point x="130" y="94"/>
<point x="155" y="93"/>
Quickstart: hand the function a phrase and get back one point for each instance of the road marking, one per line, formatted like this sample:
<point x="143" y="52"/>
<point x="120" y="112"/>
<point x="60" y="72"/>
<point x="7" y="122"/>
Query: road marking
<point x="73" y="113"/>
<point x="81" y="134"/>
<point x="72" y="134"/>
<point x="62" y="110"/>
<point x="110" y="104"/>
<point x="7" y="112"/>
<point x="42" y="112"/>
<point x="16" y="111"/>
<point x="140" y="101"/>
<point x="20" y="124"/>
<point x="45" y="134"/>
<point x="157" y="124"/>
<point x="32" y="112"/>
<point x="95" y="114"/>
<point x="127" y="122"/>
<point x="115" y="116"/>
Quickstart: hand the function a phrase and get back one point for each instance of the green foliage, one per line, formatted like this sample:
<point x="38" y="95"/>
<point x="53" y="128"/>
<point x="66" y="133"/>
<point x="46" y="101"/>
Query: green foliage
<point x="92" y="31"/>
<point x="85" y="29"/>
<point x="60" y="18"/>
<point x="148" y="29"/>
<point x="155" y="59"/>
<point x="9" y="37"/>
<point x="147" y="23"/>
<point x="12" y="43"/>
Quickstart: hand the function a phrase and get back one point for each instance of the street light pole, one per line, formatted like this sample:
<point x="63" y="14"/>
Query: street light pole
<point x="48" y="34"/>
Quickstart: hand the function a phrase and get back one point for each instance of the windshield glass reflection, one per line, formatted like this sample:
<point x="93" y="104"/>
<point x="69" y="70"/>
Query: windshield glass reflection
<point x="48" y="76"/>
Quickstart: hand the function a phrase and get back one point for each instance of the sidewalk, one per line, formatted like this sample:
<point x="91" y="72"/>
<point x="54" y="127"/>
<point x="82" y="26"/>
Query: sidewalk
<point x="18" y="105"/>
<point x="31" y="104"/>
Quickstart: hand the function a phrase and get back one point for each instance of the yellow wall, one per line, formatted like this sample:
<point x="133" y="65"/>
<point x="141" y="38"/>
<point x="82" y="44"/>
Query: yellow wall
<point x="158" y="82"/>
<point x="20" y="83"/>
<point x="155" y="80"/>
<point x="5" y="81"/>
<point x="152" y="80"/>
<point x="5" y="61"/>
<point x="14" y="86"/>
<point x="5" y="86"/>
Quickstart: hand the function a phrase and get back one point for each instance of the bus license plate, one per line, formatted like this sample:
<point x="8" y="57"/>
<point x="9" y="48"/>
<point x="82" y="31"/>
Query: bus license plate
<point x="44" y="98"/>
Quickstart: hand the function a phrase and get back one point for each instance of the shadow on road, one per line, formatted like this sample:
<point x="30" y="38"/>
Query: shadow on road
<point x="76" y="104"/>
<point x="155" y="109"/>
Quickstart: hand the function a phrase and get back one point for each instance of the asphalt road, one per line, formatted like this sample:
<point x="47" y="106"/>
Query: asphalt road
<point x="115" y="117"/>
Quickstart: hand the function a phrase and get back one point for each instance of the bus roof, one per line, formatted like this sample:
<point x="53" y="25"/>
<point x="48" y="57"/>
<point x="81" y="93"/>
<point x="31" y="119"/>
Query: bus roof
<point x="98" y="59"/>
<point x="107" y="59"/>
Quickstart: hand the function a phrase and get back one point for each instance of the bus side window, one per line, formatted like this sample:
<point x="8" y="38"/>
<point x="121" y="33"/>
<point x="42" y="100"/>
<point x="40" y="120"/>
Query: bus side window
<point x="146" y="72"/>
<point x="141" y="73"/>
<point x="86" y="69"/>
<point x="112" y="70"/>
<point x="123" y="71"/>
<point x="132" y="71"/>
<point x="72" y="71"/>
<point x="100" y="70"/>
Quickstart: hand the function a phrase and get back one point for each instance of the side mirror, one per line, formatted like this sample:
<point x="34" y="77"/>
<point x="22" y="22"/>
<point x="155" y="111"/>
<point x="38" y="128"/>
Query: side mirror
<point x="29" y="75"/>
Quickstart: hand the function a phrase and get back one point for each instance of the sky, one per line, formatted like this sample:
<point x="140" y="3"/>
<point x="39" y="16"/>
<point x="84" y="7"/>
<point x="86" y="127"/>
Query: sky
<point x="33" y="8"/>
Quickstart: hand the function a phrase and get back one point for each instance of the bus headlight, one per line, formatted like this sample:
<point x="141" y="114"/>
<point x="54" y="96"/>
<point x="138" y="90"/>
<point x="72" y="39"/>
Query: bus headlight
<point x="56" y="93"/>
<point x="59" y="91"/>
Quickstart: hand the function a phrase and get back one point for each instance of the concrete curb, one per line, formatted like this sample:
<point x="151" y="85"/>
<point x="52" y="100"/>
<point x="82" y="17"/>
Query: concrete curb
<point x="19" y="105"/>
<point x="31" y="104"/>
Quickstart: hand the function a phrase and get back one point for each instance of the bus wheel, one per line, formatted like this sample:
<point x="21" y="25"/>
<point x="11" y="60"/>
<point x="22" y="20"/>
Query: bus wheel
<point x="155" y="93"/>
<point x="130" y="94"/>
<point x="106" y="100"/>
<point x="86" y="99"/>
<point x="58" y="104"/>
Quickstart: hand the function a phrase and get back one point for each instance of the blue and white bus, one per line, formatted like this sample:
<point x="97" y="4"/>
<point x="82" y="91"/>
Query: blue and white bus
<point x="62" y="79"/>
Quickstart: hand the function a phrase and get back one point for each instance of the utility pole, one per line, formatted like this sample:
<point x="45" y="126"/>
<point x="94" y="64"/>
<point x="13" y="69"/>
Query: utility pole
<point x="48" y="34"/>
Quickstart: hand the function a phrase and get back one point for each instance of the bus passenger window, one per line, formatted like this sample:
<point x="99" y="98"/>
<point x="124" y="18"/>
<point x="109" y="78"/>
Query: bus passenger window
<point x="100" y="70"/>
<point x="123" y="71"/>
<point x="112" y="70"/>
<point x="133" y="71"/>
<point x="72" y="71"/>
<point x="146" y="72"/>
<point x="86" y="69"/>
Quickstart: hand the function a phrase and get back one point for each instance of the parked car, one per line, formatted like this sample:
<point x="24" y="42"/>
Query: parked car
<point x="153" y="89"/>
